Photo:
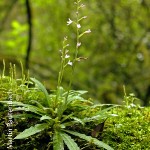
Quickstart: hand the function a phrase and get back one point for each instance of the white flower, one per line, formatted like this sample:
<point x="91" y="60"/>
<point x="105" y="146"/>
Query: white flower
<point x="65" y="38"/>
<point x="67" y="56"/>
<point x="78" y="26"/>
<point x="88" y="31"/>
<point x="85" y="17"/>
<point x="69" y="21"/>
<point x="78" y="44"/>
<point x="82" y="5"/>
<point x="69" y="63"/>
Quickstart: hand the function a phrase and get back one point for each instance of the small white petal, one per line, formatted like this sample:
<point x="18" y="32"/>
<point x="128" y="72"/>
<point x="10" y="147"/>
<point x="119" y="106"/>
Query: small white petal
<point x="67" y="56"/>
<point x="85" y="17"/>
<point x="69" y="21"/>
<point x="65" y="38"/>
<point x="88" y="31"/>
<point x="82" y="5"/>
<point x="78" y="44"/>
<point x="78" y="26"/>
<point x="69" y="63"/>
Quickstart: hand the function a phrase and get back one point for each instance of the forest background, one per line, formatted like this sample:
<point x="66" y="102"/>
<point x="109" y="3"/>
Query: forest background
<point x="118" y="49"/>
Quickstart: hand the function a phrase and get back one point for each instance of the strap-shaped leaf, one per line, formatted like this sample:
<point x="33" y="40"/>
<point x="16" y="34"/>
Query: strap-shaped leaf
<point x="38" y="104"/>
<point x="25" y="107"/>
<point x="81" y="92"/>
<point x="42" y="88"/>
<point x="58" y="141"/>
<point x="25" y="116"/>
<point x="71" y="144"/>
<point x="103" y="111"/>
<point x="90" y="139"/>
<point x="61" y="107"/>
<point x="31" y="131"/>
<point x="73" y="92"/>
<point x="72" y="98"/>
<point x="97" y="117"/>
<point x="45" y="118"/>
<point x="14" y="103"/>
<point x="77" y="120"/>
<point x="31" y="108"/>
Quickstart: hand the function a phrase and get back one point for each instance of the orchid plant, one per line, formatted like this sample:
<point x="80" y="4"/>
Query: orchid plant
<point x="60" y="112"/>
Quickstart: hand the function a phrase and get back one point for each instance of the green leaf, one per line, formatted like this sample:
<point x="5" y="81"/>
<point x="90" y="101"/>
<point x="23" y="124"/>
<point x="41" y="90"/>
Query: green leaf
<point x="99" y="115"/>
<point x="45" y="118"/>
<point x="71" y="144"/>
<point x="12" y="103"/>
<point x="103" y="111"/>
<point x="42" y="88"/>
<point x="90" y="139"/>
<point x="72" y="98"/>
<point x="61" y="108"/>
<point x="30" y="108"/>
<point x="77" y="120"/>
<point x="58" y="141"/>
<point x="31" y="131"/>
<point x="38" y="104"/>
<point x="24" y="107"/>
<point x="81" y="92"/>
<point x="102" y="105"/>
<point x="25" y="116"/>
<point x="75" y="93"/>
<point x="73" y="122"/>
<point x="96" y="118"/>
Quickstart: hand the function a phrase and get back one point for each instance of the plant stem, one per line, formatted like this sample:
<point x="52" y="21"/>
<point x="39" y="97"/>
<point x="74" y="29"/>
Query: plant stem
<point x="76" y="50"/>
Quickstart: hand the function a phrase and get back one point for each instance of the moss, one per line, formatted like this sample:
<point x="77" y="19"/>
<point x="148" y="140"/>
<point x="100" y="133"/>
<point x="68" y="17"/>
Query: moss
<point x="129" y="130"/>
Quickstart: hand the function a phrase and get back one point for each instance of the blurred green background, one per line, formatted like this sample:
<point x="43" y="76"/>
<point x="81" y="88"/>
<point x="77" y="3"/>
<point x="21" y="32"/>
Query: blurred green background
<point x="118" y="49"/>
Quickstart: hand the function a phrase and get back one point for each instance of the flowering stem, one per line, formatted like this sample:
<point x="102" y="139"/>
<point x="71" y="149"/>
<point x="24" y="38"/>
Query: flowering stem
<point x="61" y="72"/>
<point x="76" y="49"/>
<point x="77" y="33"/>
<point x="62" y="67"/>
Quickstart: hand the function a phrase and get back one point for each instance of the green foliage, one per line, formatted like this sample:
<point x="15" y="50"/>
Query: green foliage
<point x="91" y="140"/>
<point x="79" y="117"/>
<point x="69" y="142"/>
<point x="131" y="129"/>
<point x="58" y="141"/>
<point x="31" y="131"/>
<point x="43" y="89"/>
<point x="120" y="36"/>
<point x="60" y="115"/>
